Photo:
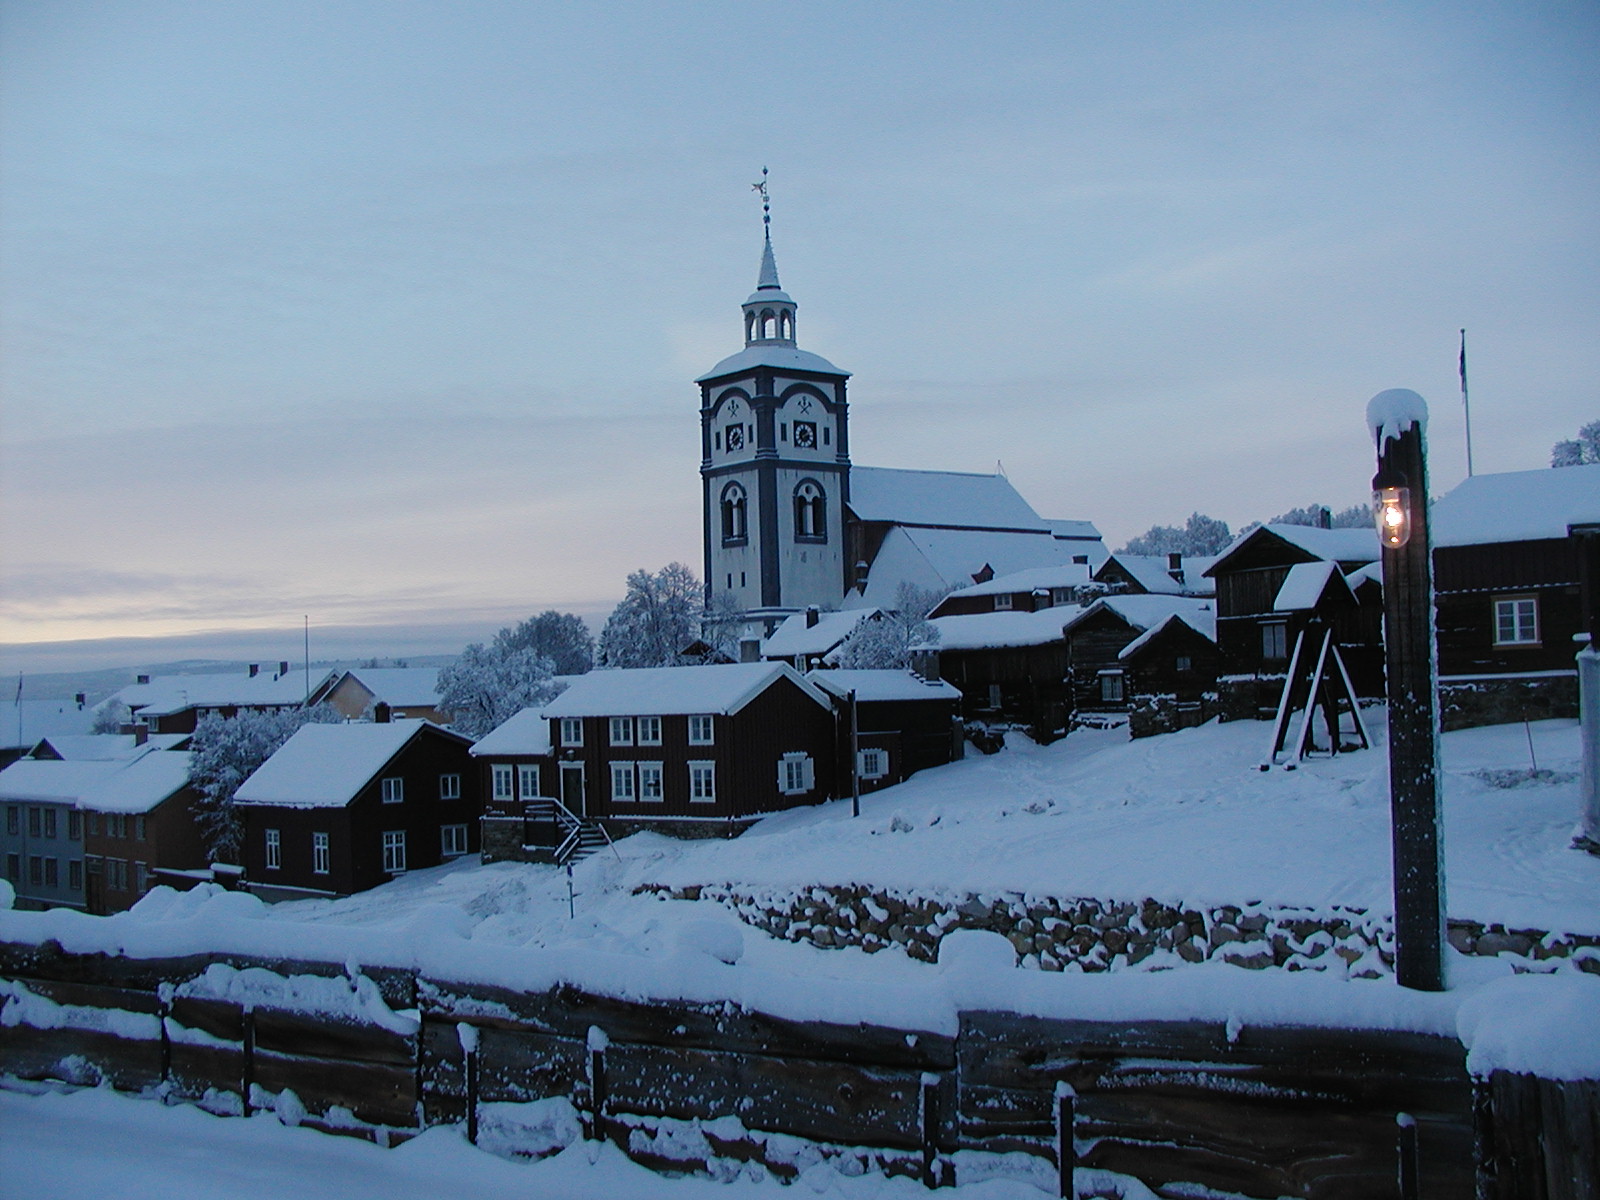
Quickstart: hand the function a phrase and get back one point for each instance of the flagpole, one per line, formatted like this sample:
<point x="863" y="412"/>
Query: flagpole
<point x="1465" y="407"/>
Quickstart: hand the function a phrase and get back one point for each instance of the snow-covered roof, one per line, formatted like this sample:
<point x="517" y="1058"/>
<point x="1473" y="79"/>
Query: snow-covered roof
<point x="1372" y="571"/>
<point x="129" y="785"/>
<point x="1075" y="531"/>
<point x="1303" y="586"/>
<point x="105" y="747"/>
<point x="872" y="686"/>
<point x="949" y="499"/>
<point x="1359" y="545"/>
<point x="937" y="559"/>
<point x="996" y="630"/>
<point x="1150" y="570"/>
<point x="1149" y="612"/>
<point x="661" y="691"/>
<point x="1517" y="506"/>
<point x="399" y="687"/>
<point x="793" y="638"/>
<point x="1203" y="623"/>
<point x="324" y="766"/>
<point x="167" y="694"/>
<point x="528" y="732"/>
<point x="1030" y="579"/>
<point x="23" y="724"/>
<point x="775" y="355"/>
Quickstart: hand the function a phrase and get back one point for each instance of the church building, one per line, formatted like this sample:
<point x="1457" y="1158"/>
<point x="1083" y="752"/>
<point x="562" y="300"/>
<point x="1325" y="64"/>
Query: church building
<point x="789" y="523"/>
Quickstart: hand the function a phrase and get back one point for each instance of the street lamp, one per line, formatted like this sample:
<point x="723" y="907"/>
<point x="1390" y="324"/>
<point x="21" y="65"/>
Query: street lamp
<point x="1398" y="419"/>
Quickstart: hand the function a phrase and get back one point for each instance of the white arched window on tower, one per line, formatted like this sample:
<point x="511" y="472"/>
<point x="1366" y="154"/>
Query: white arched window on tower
<point x="733" y="513"/>
<point x="810" y="512"/>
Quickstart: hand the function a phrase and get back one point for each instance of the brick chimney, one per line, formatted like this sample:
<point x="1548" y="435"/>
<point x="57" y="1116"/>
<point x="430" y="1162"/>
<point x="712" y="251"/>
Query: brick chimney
<point x="141" y="734"/>
<point x="813" y="615"/>
<point x="283" y="668"/>
<point x="1175" y="566"/>
<point x="81" y="699"/>
<point x="255" y="669"/>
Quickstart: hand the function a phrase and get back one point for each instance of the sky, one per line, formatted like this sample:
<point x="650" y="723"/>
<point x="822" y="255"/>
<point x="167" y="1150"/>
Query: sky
<point x="386" y="314"/>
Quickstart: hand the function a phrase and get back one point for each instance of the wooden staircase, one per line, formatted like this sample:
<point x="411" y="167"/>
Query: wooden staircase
<point x="579" y="838"/>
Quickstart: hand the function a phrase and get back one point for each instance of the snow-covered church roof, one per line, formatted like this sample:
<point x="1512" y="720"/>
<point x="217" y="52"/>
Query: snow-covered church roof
<point x="942" y="499"/>
<point x="937" y="559"/>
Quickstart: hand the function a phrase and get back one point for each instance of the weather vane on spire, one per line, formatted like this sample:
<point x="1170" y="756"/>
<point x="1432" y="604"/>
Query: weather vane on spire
<point x="766" y="199"/>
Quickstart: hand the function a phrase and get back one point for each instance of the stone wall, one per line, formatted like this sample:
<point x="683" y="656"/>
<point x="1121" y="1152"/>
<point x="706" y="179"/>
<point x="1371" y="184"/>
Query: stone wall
<point x="1468" y="703"/>
<point x="1248" y="697"/>
<point x="1150" y="714"/>
<point x="1085" y="934"/>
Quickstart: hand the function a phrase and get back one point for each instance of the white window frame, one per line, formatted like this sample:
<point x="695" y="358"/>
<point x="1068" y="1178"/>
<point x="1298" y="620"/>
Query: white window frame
<point x="621" y="731"/>
<point x="624" y="783"/>
<point x="1523" y="612"/>
<point x="1113" y="687"/>
<point x="1002" y="602"/>
<point x="450" y="786"/>
<point x="649" y="729"/>
<point x="702" y="781"/>
<point x="394" y="851"/>
<point x="274" y="849"/>
<point x="452" y="841"/>
<point x="393" y="788"/>
<point x="652" y="783"/>
<point x="527" y="780"/>
<point x="321" y="854"/>
<point x="572" y="731"/>
<point x="797" y="774"/>
<point x="702" y="730"/>
<point x="1273" y="635"/>
<point x="501" y="781"/>
<point x="872" y="762"/>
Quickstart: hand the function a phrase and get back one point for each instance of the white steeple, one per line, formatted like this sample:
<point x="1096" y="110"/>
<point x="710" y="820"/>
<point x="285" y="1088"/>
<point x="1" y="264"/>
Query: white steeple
<point x="769" y="313"/>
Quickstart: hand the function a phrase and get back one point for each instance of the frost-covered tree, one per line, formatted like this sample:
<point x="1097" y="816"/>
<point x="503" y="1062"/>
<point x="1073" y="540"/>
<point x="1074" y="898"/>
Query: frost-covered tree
<point x="1201" y="535"/>
<point x="110" y="717"/>
<point x="659" y="617"/>
<point x="721" y="626"/>
<point x="486" y="686"/>
<point x="224" y="753"/>
<point x="1579" y="451"/>
<point x="563" y="638"/>
<point x="886" y="643"/>
<point x="1357" y="516"/>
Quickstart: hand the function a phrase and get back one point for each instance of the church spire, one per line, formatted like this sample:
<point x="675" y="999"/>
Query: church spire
<point x="769" y="313"/>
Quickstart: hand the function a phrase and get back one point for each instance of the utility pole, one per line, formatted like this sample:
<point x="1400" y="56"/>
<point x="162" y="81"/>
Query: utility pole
<point x="855" y="759"/>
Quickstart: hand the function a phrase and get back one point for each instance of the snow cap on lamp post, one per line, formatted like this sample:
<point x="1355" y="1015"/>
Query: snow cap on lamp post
<point x="1389" y="415"/>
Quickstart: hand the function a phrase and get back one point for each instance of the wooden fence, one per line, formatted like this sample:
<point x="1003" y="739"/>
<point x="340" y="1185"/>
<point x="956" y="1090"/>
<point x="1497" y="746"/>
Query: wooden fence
<point x="1267" y="1111"/>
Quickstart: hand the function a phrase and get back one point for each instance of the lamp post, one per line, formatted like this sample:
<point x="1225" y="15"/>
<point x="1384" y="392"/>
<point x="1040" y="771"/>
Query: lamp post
<point x="1398" y="419"/>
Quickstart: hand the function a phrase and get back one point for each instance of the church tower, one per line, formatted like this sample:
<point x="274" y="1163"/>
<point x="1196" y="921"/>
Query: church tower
<point x="774" y="463"/>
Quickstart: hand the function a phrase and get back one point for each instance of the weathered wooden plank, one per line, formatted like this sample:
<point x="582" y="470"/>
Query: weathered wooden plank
<point x="196" y="1068"/>
<point x="82" y="1056"/>
<point x="321" y="1036"/>
<point x="94" y="995"/>
<point x="376" y="1093"/>
<point x="217" y="1018"/>
<point x="47" y="961"/>
<point x="1517" y="1123"/>
<point x="517" y="1065"/>
<point x="843" y="1103"/>
<point x="569" y="1012"/>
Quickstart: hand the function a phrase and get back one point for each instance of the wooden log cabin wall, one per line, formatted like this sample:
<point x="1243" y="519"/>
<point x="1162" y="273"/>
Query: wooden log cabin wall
<point x="1258" y="1111"/>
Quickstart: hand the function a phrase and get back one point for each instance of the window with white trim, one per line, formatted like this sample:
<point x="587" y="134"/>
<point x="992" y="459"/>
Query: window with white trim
<point x="452" y="840"/>
<point x="394" y="850"/>
<point x="796" y="774"/>
<point x="702" y="782"/>
<point x="394" y="789"/>
<point x="500" y="781"/>
<point x="1274" y="640"/>
<point x="649" y="731"/>
<point x="450" y="787"/>
<point x="700" y="730"/>
<point x="274" y="850"/>
<point x="1111" y="687"/>
<point x="572" y="731"/>
<point x="1516" y="621"/>
<point x="872" y="763"/>
<point x="622" y="731"/>
<point x="1002" y="601"/>
<point x="650" y="775"/>
<point x="319" y="854"/>
<point x="622" y="778"/>
<point x="527" y="780"/>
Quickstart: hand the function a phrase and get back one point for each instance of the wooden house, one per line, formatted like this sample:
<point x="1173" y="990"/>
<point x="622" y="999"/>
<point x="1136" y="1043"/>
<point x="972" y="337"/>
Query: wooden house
<point x="1010" y="666"/>
<point x="24" y="723"/>
<point x="1508" y="572"/>
<point x="175" y="703"/>
<point x="903" y="723"/>
<point x="141" y="828"/>
<point x="1157" y="574"/>
<point x="1032" y="590"/>
<point x="517" y="777"/>
<point x="398" y="692"/>
<point x="1129" y="652"/>
<point x="809" y="639"/>
<point x="1276" y="582"/>
<point x="686" y="746"/>
<point x="343" y="808"/>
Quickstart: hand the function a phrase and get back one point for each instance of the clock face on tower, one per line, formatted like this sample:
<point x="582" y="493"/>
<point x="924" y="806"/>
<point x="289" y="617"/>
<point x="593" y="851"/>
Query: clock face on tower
<point x="735" y="438"/>
<point x="805" y="435"/>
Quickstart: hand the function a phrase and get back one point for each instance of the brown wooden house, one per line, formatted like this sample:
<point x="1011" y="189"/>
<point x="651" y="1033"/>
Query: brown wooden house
<point x="1159" y="574"/>
<point x="904" y="723"/>
<point x="1030" y="590"/>
<point x="343" y="808"/>
<point x="398" y="692"/>
<point x="1275" y="582"/>
<point x="1508" y="564"/>
<point x="1009" y="666"/>
<point x="1124" y="650"/>
<point x="688" y="745"/>
<point x="141" y="828"/>
<point x="175" y="703"/>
